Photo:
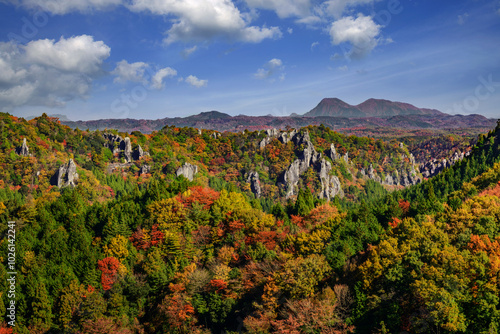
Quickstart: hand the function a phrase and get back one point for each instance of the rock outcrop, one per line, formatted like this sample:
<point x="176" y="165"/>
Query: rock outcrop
<point x="188" y="171"/>
<point x="332" y="153"/>
<point x="253" y="179"/>
<point x="123" y="147"/>
<point x="126" y="146"/>
<point x="330" y="185"/>
<point x="434" y="167"/>
<point x="139" y="153"/>
<point x="66" y="175"/>
<point x="145" y="169"/>
<point x="283" y="137"/>
<point x="23" y="150"/>
<point x="405" y="176"/>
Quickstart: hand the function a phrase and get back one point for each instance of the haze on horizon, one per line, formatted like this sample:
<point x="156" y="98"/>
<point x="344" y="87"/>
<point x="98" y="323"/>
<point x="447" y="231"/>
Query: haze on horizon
<point x="94" y="59"/>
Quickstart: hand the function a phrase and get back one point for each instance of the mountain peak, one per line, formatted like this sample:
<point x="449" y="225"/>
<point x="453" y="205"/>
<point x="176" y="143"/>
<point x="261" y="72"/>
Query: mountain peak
<point x="333" y="107"/>
<point x="213" y="114"/>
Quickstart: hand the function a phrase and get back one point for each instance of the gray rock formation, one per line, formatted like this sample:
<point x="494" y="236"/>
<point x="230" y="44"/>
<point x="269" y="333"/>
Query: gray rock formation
<point x="138" y="152"/>
<point x="332" y="153"/>
<point x="272" y="132"/>
<point x="123" y="147"/>
<point x="346" y="157"/>
<point x="388" y="180"/>
<point x="66" y="175"/>
<point x="113" y="142"/>
<point x="23" y="150"/>
<point x="253" y="179"/>
<point x="126" y="146"/>
<point x="330" y="184"/>
<point x="372" y="176"/>
<point x="283" y="137"/>
<point x="145" y="169"/>
<point x="434" y="167"/>
<point x="188" y="171"/>
<point x="286" y="137"/>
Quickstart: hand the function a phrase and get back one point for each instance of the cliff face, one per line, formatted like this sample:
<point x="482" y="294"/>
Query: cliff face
<point x="66" y="175"/>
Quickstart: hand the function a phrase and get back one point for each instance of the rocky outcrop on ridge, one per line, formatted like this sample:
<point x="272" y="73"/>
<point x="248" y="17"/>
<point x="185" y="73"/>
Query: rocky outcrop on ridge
<point x="23" y="150"/>
<point x="283" y="137"/>
<point x="123" y="147"/>
<point x="330" y="185"/>
<point x="253" y="179"/>
<point x="66" y="175"/>
<point x="401" y="176"/>
<point x="188" y="171"/>
<point x="434" y="167"/>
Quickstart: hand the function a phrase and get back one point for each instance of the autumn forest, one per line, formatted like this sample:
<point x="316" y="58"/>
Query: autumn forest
<point x="305" y="230"/>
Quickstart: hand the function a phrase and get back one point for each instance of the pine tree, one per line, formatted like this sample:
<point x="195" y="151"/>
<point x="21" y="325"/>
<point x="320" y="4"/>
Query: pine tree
<point x="41" y="320"/>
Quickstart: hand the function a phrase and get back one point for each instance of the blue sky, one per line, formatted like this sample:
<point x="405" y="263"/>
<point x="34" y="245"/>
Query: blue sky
<point x="91" y="59"/>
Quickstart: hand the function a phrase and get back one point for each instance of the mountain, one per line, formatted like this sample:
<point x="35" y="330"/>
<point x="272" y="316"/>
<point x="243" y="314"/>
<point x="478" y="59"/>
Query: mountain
<point x="334" y="113"/>
<point x="333" y="107"/>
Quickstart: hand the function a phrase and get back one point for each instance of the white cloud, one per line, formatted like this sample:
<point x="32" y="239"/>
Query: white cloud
<point x="65" y="6"/>
<point x="283" y="8"/>
<point x="360" y="32"/>
<point x="199" y="20"/>
<point x="343" y="68"/>
<point x="313" y="45"/>
<point x="290" y="31"/>
<point x="157" y="79"/>
<point x="129" y="72"/>
<point x="310" y="20"/>
<point x="48" y="73"/>
<point x="188" y="51"/>
<point x="194" y="81"/>
<point x="272" y="67"/>
<point x="75" y="54"/>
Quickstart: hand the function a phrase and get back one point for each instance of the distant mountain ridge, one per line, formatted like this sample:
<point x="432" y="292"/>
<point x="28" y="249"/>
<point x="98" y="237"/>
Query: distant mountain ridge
<point x="333" y="107"/>
<point x="331" y="112"/>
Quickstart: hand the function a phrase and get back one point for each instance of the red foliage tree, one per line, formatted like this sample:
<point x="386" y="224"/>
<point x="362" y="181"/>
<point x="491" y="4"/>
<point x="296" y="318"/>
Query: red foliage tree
<point x="218" y="285"/>
<point x="404" y="205"/>
<point x="204" y="196"/>
<point x="109" y="268"/>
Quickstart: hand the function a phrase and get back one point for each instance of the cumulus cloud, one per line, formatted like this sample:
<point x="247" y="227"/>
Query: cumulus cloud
<point x="142" y="73"/>
<point x="270" y="69"/>
<point x="65" y="6"/>
<point x="283" y="8"/>
<point x="157" y="79"/>
<point x="360" y="32"/>
<point x="75" y="54"/>
<point x="194" y="81"/>
<point x="129" y="72"/>
<point x="49" y="73"/>
<point x="199" y="20"/>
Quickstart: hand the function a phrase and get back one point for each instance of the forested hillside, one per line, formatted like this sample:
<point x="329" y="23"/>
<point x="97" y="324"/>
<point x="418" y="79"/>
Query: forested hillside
<point x="194" y="231"/>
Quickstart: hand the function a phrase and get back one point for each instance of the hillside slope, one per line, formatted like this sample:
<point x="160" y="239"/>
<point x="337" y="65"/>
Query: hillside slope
<point x="168" y="232"/>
